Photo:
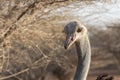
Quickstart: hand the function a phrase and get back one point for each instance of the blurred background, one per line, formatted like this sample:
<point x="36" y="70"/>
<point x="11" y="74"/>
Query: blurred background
<point x="32" y="38"/>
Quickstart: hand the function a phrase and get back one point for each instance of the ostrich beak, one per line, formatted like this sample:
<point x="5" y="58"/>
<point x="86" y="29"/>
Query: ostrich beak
<point x="70" y="39"/>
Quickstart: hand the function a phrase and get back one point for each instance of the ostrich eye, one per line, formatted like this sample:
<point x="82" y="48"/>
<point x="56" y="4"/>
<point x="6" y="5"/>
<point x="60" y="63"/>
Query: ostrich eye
<point x="79" y="30"/>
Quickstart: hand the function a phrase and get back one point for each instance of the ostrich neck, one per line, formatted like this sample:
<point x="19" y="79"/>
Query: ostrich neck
<point x="84" y="58"/>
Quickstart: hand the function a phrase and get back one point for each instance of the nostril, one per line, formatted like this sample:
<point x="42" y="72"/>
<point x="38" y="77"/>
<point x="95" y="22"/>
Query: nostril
<point x="71" y="39"/>
<point x="65" y="47"/>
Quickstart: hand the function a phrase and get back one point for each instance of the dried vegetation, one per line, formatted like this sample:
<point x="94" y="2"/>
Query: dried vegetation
<point x="31" y="47"/>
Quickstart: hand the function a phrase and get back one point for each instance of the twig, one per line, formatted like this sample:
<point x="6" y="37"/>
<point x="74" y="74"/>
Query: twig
<point x="13" y="75"/>
<point x="23" y="13"/>
<point x="20" y="72"/>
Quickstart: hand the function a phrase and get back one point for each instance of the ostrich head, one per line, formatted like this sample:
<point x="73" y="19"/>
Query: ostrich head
<point x="74" y="31"/>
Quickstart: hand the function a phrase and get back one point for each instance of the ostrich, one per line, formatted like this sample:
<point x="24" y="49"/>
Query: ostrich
<point x="77" y="33"/>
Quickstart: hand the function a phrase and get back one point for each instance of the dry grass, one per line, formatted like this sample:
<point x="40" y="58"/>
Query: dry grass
<point x="30" y="49"/>
<point x="108" y="40"/>
<point x="28" y="45"/>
